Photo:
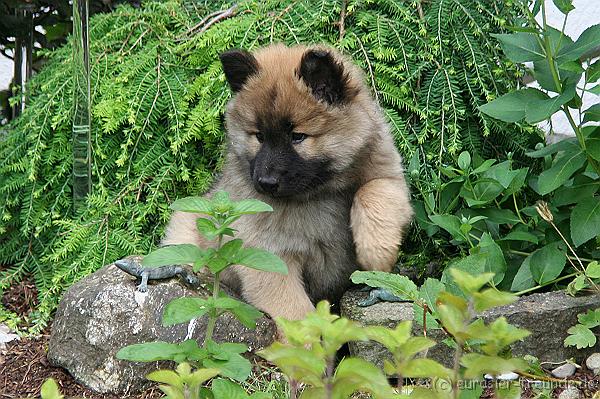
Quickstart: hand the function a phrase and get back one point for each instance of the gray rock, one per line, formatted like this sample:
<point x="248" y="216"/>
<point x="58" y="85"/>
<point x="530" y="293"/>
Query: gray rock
<point x="104" y="312"/>
<point x="564" y="371"/>
<point x="593" y="362"/>
<point x="570" y="392"/>
<point x="547" y="316"/>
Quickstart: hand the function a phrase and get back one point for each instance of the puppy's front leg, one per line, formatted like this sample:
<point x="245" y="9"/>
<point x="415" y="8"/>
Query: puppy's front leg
<point x="380" y="213"/>
<point x="276" y="294"/>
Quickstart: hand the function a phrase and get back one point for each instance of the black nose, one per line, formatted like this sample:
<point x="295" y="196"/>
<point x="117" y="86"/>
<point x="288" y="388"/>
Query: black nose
<point x="268" y="183"/>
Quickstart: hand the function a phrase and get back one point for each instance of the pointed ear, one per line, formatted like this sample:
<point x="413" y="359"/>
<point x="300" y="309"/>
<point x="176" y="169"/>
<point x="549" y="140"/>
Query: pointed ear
<point x="238" y="66"/>
<point x="325" y="77"/>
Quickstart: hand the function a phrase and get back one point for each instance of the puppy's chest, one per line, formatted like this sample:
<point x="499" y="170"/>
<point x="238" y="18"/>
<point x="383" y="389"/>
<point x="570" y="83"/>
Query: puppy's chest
<point x="300" y="228"/>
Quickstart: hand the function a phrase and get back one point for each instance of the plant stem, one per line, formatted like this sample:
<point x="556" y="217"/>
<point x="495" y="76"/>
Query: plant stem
<point x="456" y="368"/>
<point x="517" y="209"/>
<point x="523" y="253"/>
<point x="537" y="287"/>
<point x="329" y="378"/>
<point x="212" y="315"/>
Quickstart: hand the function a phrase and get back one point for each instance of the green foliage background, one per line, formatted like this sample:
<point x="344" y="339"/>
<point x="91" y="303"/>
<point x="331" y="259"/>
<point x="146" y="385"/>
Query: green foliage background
<point x="158" y="98"/>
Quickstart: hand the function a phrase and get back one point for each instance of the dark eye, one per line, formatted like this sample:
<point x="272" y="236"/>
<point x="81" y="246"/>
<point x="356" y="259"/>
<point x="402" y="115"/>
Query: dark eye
<point x="298" y="138"/>
<point x="260" y="137"/>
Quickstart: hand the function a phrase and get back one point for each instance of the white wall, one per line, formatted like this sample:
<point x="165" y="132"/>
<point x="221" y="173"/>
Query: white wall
<point x="585" y="14"/>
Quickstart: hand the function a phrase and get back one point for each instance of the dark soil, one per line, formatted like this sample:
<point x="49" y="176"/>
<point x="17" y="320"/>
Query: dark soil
<point x="23" y="365"/>
<point x="24" y="368"/>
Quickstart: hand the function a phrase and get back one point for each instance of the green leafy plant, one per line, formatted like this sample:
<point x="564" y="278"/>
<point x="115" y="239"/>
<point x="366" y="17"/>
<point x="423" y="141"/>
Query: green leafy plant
<point x="211" y="358"/>
<point x="581" y="334"/>
<point x="50" y="390"/>
<point x="158" y="96"/>
<point x="534" y="226"/>
<point x="308" y="356"/>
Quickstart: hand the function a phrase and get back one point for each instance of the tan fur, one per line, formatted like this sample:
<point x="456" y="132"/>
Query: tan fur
<point x="358" y="216"/>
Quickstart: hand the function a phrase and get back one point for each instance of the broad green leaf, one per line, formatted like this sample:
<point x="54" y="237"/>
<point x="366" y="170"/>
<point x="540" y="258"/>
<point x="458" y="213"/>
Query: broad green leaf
<point x="584" y="187"/>
<point x="495" y="262"/>
<point x="565" y="6"/>
<point x="50" y="390"/>
<point x="207" y="228"/>
<point x="520" y="46"/>
<point x="452" y="318"/>
<point x="201" y="376"/>
<point x="520" y="236"/>
<point x="592" y="74"/>
<point x="473" y="264"/>
<point x="149" y="352"/>
<point x="180" y="254"/>
<point x="398" y="285"/>
<point x="572" y="66"/>
<point x="470" y="283"/>
<point x="471" y="389"/>
<point x="500" y="216"/>
<point x="464" y="160"/>
<point x="523" y="279"/>
<point x="192" y="204"/>
<point x="592" y="270"/>
<point x="547" y="263"/>
<point x="296" y="363"/>
<point x="172" y="392"/>
<point x="168" y="377"/>
<point x="590" y="319"/>
<point x="224" y="389"/>
<point x="587" y="41"/>
<point x="485" y="165"/>
<point x="511" y="107"/>
<point x="585" y="220"/>
<point x="392" y="339"/>
<point x="592" y="142"/>
<point x="429" y="292"/>
<point x="426" y="368"/>
<point x="260" y="259"/>
<point x="501" y="173"/>
<point x="250" y="206"/>
<point x="491" y="298"/>
<point x="450" y="223"/>
<point x="484" y="191"/>
<point x="581" y="337"/>
<point x="223" y="351"/>
<point x="592" y="114"/>
<point x="563" y="145"/>
<point x="542" y="107"/>
<point x="415" y="345"/>
<point x="230" y="250"/>
<point x="594" y="90"/>
<point x="235" y="367"/>
<point x="182" y="310"/>
<point x="354" y="375"/>
<point x="246" y="314"/>
<point x="224" y="302"/>
<point x="562" y="170"/>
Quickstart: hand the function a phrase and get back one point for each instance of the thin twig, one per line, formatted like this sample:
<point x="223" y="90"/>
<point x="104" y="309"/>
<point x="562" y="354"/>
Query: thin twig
<point x="420" y="10"/>
<point x="342" y="22"/>
<point x="224" y="15"/>
<point x="369" y="67"/>
<point x="202" y="22"/>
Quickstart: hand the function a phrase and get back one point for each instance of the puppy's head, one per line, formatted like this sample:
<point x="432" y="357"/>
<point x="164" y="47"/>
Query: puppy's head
<point x="298" y="118"/>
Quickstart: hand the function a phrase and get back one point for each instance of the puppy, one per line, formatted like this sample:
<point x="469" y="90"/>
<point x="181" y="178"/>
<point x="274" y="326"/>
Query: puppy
<point x="305" y="135"/>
